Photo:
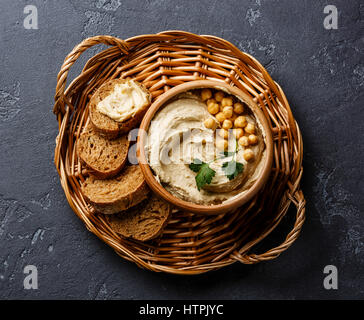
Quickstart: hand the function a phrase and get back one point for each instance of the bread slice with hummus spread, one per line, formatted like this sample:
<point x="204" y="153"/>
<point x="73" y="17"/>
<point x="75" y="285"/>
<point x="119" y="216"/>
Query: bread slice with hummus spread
<point x="118" y="106"/>
<point x="117" y="194"/>
<point x="142" y="222"/>
<point x="104" y="157"/>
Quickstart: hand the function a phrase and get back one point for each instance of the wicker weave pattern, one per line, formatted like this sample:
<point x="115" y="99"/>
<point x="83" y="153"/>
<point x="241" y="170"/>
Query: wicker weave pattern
<point x="191" y="243"/>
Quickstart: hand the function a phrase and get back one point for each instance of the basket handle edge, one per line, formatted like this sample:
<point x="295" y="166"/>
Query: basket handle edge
<point x="72" y="57"/>
<point x="296" y="196"/>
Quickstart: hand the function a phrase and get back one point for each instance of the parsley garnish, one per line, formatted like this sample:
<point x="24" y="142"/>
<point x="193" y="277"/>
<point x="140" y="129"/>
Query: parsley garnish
<point x="204" y="175"/>
<point x="232" y="169"/>
<point x="196" y="165"/>
<point x="228" y="153"/>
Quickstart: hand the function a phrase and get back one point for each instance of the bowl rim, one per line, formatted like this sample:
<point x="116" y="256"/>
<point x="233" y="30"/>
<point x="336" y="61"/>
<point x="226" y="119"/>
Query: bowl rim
<point x="190" y="206"/>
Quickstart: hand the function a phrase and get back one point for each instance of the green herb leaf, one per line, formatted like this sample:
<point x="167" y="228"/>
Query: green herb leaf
<point x="232" y="169"/>
<point x="204" y="176"/>
<point x="228" y="153"/>
<point x="195" y="166"/>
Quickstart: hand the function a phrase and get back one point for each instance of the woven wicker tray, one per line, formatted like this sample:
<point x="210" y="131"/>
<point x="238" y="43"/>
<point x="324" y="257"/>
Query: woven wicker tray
<point x="191" y="243"/>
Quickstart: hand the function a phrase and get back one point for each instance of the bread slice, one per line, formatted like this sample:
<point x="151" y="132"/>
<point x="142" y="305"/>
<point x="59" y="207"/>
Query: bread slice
<point x="103" y="156"/>
<point x="116" y="194"/>
<point x="142" y="222"/>
<point x="104" y="124"/>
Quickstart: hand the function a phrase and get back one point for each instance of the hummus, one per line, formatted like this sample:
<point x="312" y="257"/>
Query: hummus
<point x="177" y="135"/>
<point x="123" y="102"/>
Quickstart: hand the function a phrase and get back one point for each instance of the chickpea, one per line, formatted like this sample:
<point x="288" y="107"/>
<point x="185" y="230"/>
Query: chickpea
<point x="219" y="96"/>
<point x="206" y="94"/>
<point x="253" y="139"/>
<point x="244" y="141"/>
<point x="227" y="124"/>
<point x="248" y="154"/>
<point x="209" y="123"/>
<point x="240" y="122"/>
<point x="233" y="117"/>
<point x="223" y="133"/>
<point x="220" y="117"/>
<point x="209" y="101"/>
<point x="250" y="128"/>
<point x="213" y="108"/>
<point x="222" y="144"/>
<point x="227" y="102"/>
<point x="238" y="108"/>
<point x="238" y="133"/>
<point x="227" y="111"/>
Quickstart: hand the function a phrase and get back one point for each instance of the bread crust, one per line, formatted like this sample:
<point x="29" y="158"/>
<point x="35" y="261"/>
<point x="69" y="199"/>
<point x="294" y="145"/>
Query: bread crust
<point x="107" y="126"/>
<point x="104" y="157"/>
<point x="110" y="196"/>
<point x="143" y="222"/>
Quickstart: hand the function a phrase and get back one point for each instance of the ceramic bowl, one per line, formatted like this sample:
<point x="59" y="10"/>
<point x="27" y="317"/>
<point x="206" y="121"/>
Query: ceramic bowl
<point x="227" y="205"/>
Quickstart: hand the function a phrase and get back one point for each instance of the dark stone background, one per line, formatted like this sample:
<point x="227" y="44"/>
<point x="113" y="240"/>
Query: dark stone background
<point x="322" y="74"/>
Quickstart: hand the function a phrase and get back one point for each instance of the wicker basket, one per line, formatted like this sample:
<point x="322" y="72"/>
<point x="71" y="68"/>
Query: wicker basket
<point x="191" y="243"/>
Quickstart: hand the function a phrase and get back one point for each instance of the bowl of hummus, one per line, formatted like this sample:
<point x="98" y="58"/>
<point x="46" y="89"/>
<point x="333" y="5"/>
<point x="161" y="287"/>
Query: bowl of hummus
<point x="205" y="147"/>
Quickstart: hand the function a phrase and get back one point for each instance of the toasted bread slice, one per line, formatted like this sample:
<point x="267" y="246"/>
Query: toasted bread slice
<point x="116" y="194"/>
<point x="142" y="222"/>
<point x="103" y="156"/>
<point x="107" y="126"/>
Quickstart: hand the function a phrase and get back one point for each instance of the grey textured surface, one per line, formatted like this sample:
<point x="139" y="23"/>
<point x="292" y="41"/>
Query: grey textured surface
<point x="322" y="74"/>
